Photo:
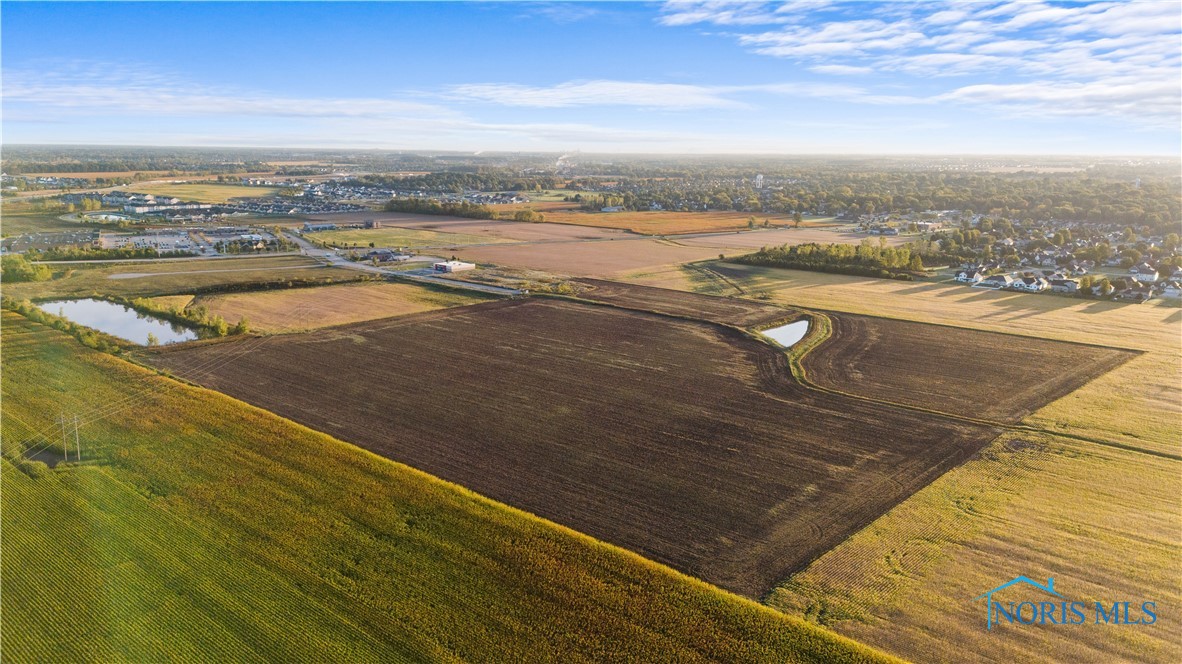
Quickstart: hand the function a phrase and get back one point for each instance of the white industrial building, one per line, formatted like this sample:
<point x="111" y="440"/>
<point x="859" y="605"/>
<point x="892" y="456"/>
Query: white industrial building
<point x="454" y="266"/>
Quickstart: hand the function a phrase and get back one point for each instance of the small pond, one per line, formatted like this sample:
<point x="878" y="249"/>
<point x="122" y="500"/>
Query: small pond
<point x="118" y="321"/>
<point x="787" y="335"/>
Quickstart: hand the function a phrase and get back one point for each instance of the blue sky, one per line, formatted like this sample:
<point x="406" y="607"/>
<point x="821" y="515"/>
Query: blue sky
<point x="809" y="76"/>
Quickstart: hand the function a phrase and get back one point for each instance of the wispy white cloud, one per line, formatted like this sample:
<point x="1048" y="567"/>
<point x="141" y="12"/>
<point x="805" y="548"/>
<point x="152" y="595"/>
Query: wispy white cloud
<point x="600" y="93"/>
<point x="563" y="13"/>
<point x="1116" y="59"/>
<point x="717" y="12"/>
<point x="73" y="97"/>
<point x="123" y="90"/>
<point x="1153" y="103"/>
<point x="842" y="70"/>
<point x="665" y="96"/>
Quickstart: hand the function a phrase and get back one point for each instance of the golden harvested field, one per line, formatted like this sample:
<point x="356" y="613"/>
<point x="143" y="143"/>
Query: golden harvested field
<point x="1100" y="519"/>
<point x="204" y="192"/>
<point x="308" y="308"/>
<point x="401" y="237"/>
<point x="749" y="241"/>
<point x="1102" y="522"/>
<point x="630" y="254"/>
<point x="665" y="223"/>
<point x="509" y="230"/>
<point x="173" y="301"/>
<point x="589" y="259"/>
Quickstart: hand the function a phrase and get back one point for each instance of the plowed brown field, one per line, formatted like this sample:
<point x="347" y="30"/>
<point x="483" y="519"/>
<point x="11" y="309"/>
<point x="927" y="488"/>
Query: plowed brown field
<point x="971" y="373"/>
<point x="684" y="441"/>
<point x="726" y="310"/>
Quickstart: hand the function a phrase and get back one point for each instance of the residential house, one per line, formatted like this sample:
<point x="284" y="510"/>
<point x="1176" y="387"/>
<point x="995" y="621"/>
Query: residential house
<point x="1070" y="286"/>
<point x="995" y="282"/>
<point x="1143" y="273"/>
<point x="1170" y="289"/>
<point x="1136" y="294"/>
<point x="1103" y="289"/>
<point x="1031" y="284"/>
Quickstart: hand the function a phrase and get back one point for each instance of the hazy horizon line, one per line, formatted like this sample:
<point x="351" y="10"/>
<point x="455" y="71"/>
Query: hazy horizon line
<point x="479" y="152"/>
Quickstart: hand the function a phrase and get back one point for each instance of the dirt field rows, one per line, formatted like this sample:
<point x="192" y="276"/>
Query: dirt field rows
<point x="659" y="222"/>
<point x="971" y="373"/>
<point x="589" y="259"/>
<point x="509" y="230"/>
<point x="726" y="310"/>
<point x="682" y="441"/>
<point x="753" y="240"/>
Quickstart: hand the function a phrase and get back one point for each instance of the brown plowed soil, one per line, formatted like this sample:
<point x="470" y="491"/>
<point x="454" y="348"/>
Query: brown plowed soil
<point x="727" y="310"/>
<point x="985" y="375"/>
<point x="686" y="442"/>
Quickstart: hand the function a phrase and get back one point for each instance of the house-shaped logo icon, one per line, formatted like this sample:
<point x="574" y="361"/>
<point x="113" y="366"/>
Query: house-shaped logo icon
<point x="1049" y="588"/>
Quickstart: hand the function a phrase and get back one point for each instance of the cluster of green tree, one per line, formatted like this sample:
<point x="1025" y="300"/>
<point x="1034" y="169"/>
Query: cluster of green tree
<point x="457" y="181"/>
<point x="429" y="206"/>
<point x="868" y="259"/>
<point x="95" y="254"/>
<point x="529" y="215"/>
<point x="88" y="337"/>
<point x="195" y="316"/>
<point x="1100" y="284"/>
<point x="278" y="284"/>
<point x="250" y="247"/>
<point x="596" y="202"/>
<point x="16" y="267"/>
<point x="86" y="205"/>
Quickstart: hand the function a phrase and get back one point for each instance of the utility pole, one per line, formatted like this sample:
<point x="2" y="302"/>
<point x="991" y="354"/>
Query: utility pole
<point x="77" y="441"/>
<point x="65" y="444"/>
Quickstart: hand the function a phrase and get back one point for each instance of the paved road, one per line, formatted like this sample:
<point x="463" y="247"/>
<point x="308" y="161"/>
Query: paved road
<point x="422" y="276"/>
<point x="170" y="260"/>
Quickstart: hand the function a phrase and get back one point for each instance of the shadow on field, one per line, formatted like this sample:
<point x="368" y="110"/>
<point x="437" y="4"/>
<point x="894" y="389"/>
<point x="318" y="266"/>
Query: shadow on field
<point x="922" y="288"/>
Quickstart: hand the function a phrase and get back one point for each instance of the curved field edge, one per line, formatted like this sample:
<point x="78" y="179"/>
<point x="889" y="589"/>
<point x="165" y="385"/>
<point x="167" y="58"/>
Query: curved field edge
<point x="204" y="526"/>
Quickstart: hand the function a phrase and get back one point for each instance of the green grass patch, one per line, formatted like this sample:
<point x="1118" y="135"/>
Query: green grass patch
<point x="149" y="279"/>
<point x="204" y="192"/>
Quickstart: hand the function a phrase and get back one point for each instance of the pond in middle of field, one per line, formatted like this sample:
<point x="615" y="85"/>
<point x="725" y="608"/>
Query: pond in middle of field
<point x="787" y="335"/>
<point x="118" y="321"/>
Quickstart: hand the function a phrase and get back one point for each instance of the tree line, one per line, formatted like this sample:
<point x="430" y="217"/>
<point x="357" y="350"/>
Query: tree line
<point x="446" y="208"/>
<point x="868" y="259"/>
<point x="457" y="182"/>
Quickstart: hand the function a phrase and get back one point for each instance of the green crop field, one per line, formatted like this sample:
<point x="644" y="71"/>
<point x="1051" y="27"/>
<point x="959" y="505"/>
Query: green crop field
<point x="200" y="528"/>
<point x="18" y="221"/>
<point x="172" y="277"/>
<point x="204" y="192"/>
<point x="401" y="237"/>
